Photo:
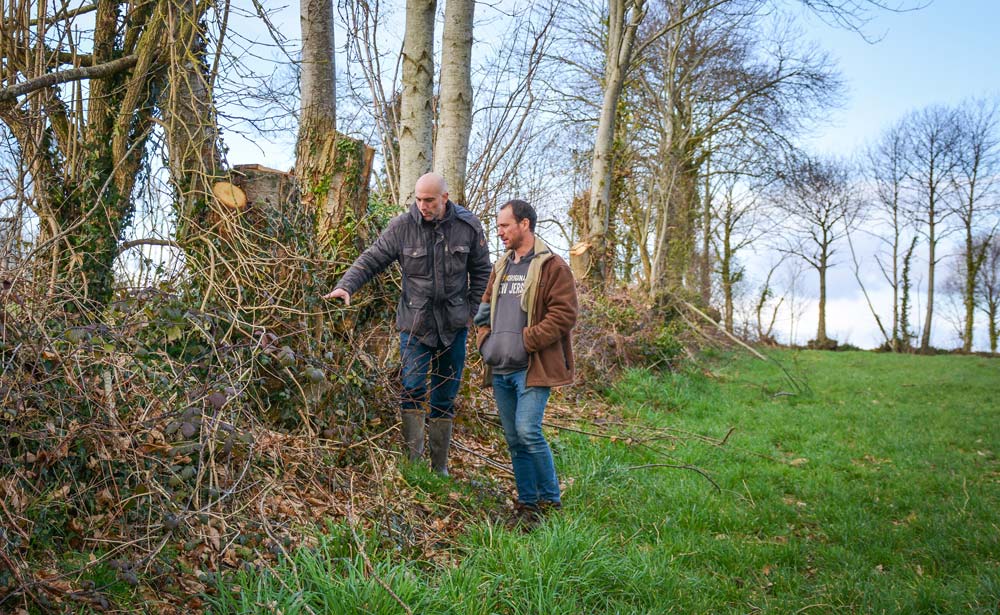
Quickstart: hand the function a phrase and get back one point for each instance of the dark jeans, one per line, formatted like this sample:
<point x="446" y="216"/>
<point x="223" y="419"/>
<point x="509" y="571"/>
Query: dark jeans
<point x="521" y="410"/>
<point x="444" y="365"/>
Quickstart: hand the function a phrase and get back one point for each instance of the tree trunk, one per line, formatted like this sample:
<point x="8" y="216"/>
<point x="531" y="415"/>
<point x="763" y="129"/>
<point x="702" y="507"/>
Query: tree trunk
<point x="993" y="327"/>
<point x="705" y="270"/>
<point x="667" y="181"/>
<point x="191" y="132"/>
<point x="904" y="303"/>
<point x="209" y="232"/>
<point x="317" y="83"/>
<point x="600" y="184"/>
<point x="925" y="337"/>
<point x="725" y="271"/>
<point x="455" y="116"/>
<point x="821" y="338"/>
<point x="623" y="21"/>
<point x="333" y="169"/>
<point x="895" y="342"/>
<point x="969" y="291"/>
<point x="683" y="225"/>
<point x="676" y="239"/>
<point x="416" y="123"/>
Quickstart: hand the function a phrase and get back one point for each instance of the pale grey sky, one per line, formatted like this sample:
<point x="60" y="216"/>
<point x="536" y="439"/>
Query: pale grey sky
<point x="943" y="53"/>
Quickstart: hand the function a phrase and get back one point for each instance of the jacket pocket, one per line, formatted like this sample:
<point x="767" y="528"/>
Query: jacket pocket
<point x="457" y="261"/>
<point x="414" y="315"/>
<point x="415" y="261"/>
<point x="458" y="312"/>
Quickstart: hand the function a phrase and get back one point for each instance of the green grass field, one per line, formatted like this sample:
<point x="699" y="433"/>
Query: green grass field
<point x="872" y="486"/>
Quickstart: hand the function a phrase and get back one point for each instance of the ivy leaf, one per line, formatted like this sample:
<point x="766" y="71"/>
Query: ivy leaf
<point x="173" y="333"/>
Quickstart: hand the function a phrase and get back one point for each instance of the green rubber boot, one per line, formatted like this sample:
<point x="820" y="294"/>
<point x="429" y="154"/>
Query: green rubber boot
<point x="413" y="433"/>
<point x="439" y="440"/>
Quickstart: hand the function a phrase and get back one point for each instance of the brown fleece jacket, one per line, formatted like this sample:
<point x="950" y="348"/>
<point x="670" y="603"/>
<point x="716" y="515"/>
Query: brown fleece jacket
<point x="548" y="339"/>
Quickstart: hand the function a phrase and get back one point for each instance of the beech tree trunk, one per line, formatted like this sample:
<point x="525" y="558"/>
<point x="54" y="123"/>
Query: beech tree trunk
<point x="925" y="336"/>
<point x="416" y="122"/>
<point x="624" y="17"/>
<point x="333" y="169"/>
<point x="317" y="80"/>
<point x="451" y="149"/>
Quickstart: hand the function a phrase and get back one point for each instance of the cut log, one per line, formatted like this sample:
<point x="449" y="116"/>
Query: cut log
<point x="230" y="195"/>
<point x="579" y="259"/>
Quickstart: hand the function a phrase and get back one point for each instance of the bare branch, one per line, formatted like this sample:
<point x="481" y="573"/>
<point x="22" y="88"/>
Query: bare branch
<point x="74" y="74"/>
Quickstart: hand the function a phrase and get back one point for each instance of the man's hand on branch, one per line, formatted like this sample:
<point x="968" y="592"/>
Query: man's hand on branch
<point x="339" y="293"/>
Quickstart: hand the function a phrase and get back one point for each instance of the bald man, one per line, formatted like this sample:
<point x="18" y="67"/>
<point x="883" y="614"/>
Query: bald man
<point x="442" y="251"/>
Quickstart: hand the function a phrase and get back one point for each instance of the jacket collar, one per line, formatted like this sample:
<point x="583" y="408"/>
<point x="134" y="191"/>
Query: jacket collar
<point x="449" y="212"/>
<point x="542" y="255"/>
<point x="541" y="248"/>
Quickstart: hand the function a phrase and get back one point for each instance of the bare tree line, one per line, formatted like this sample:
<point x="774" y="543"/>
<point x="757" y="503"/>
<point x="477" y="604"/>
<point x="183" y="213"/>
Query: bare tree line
<point x="934" y="173"/>
<point x="687" y="111"/>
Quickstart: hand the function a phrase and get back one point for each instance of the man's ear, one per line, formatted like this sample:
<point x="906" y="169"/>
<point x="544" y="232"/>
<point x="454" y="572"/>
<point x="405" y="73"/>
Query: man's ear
<point x="444" y="195"/>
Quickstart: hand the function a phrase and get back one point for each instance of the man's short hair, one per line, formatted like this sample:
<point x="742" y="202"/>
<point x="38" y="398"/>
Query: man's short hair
<point x="522" y="210"/>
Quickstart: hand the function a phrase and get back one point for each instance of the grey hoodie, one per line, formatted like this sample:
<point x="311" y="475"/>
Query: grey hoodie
<point x="504" y="349"/>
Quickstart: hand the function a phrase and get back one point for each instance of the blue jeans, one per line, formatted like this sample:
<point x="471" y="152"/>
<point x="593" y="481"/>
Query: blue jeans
<point x="521" y="410"/>
<point x="443" y="363"/>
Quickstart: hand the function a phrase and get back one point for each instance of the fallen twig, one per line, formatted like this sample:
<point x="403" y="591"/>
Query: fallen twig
<point x="679" y="467"/>
<point x="490" y="462"/>
<point x="749" y="348"/>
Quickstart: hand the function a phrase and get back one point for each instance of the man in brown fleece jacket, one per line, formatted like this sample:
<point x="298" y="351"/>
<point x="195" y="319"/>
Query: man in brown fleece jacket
<point x="524" y="324"/>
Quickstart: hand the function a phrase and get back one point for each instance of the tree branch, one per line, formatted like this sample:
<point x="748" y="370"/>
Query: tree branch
<point x="66" y="14"/>
<point x="74" y="74"/>
<point x="147" y="242"/>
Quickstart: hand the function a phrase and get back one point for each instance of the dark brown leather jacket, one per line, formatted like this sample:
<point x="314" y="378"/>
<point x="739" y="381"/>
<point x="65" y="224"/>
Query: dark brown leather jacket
<point x="445" y="266"/>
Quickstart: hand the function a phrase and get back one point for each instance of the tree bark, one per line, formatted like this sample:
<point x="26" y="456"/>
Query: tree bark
<point x="317" y="81"/>
<point x="209" y="233"/>
<point x="925" y="336"/>
<point x="725" y="271"/>
<point x="624" y="17"/>
<point x="705" y="264"/>
<point x="969" y="289"/>
<point x="904" y="302"/>
<point x="821" y="338"/>
<point x="112" y="67"/>
<point x="896" y="341"/>
<point x="675" y="238"/>
<point x="333" y="169"/>
<point x="190" y="122"/>
<point x="451" y="149"/>
<point x="416" y="122"/>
